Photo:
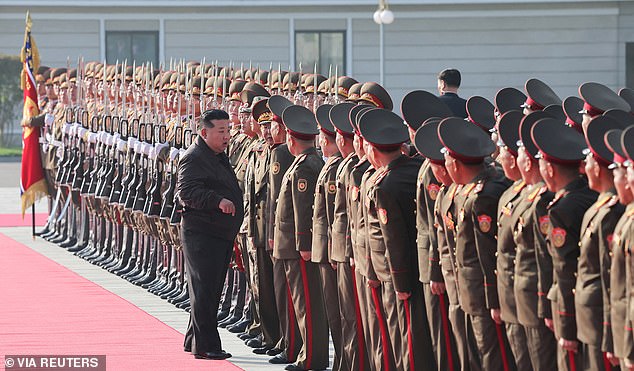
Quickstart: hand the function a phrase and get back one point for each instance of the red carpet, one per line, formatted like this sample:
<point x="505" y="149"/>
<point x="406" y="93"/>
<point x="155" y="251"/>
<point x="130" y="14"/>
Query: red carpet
<point x="47" y="309"/>
<point x="15" y="220"/>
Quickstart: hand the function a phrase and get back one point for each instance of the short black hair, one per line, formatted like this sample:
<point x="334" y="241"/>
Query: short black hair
<point x="206" y="119"/>
<point x="450" y="76"/>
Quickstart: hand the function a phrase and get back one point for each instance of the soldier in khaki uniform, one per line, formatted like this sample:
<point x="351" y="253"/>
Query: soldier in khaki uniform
<point x="561" y="151"/>
<point x="615" y="345"/>
<point x="293" y="237"/>
<point x="323" y="217"/>
<point x="508" y="216"/>
<point x="281" y="159"/>
<point x="466" y="147"/>
<point x="592" y="304"/>
<point x="392" y="228"/>
<point x="354" y="345"/>
<point x="533" y="266"/>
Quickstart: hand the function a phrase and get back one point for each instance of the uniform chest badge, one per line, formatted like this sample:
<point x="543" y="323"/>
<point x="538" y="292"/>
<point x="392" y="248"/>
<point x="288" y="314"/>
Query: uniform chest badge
<point x="558" y="236"/>
<point x="449" y="221"/>
<point x="433" y="190"/>
<point x="332" y="188"/>
<point x="484" y="221"/>
<point x="275" y="168"/>
<point x="355" y="193"/>
<point x="609" y="239"/>
<point x="382" y="213"/>
<point x="544" y="224"/>
<point x="302" y="185"/>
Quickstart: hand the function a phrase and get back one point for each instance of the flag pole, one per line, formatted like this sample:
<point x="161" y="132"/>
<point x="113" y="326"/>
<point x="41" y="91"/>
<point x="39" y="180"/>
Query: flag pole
<point x="33" y="221"/>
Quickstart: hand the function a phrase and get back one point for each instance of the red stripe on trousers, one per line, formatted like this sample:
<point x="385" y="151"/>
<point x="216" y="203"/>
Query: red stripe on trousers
<point x="309" y="317"/>
<point x="410" y="339"/>
<point x="384" y="339"/>
<point x="505" y="362"/>
<point x="571" y="360"/>
<point x="445" y="327"/>
<point x="291" y="323"/>
<point x="606" y="362"/>
<point x="357" y="313"/>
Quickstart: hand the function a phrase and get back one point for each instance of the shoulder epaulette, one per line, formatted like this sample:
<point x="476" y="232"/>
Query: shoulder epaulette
<point x="602" y="202"/>
<point x="468" y="188"/>
<point x="518" y="188"/>
<point x="558" y="196"/>
<point x="533" y="195"/>
<point x="380" y="175"/>
<point x="613" y="201"/>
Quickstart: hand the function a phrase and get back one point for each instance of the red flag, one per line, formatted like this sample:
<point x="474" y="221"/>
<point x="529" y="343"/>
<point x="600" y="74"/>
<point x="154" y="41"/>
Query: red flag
<point x="32" y="181"/>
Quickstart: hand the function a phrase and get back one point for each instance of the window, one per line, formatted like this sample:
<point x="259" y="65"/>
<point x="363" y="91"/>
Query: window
<point x="139" y="46"/>
<point x="629" y="65"/>
<point x="326" y="48"/>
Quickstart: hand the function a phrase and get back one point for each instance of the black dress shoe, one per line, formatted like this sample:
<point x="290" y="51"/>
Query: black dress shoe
<point x="274" y="351"/>
<point x="279" y="359"/>
<point x="238" y="327"/>
<point x="255" y="343"/>
<point x="262" y="350"/>
<point x="187" y="349"/>
<point x="294" y="367"/>
<point x="245" y="336"/>
<point x="222" y="315"/>
<point x="213" y="355"/>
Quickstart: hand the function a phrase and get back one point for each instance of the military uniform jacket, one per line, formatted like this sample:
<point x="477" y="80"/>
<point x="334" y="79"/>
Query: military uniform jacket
<point x="392" y="205"/>
<point x="356" y="216"/>
<point x="566" y="214"/>
<point x="619" y="291"/>
<point x="281" y="159"/>
<point x="533" y="270"/>
<point x="257" y="196"/>
<point x="341" y="241"/>
<point x="235" y="147"/>
<point x="427" y="188"/>
<point x="476" y="243"/>
<point x="444" y="222"/>
<point x="293" y="216"/>
<point x="508" y="214"/>
<point x="324" y="209"/>
<point x="243" y="159"/>
<point x="592" y="304"/>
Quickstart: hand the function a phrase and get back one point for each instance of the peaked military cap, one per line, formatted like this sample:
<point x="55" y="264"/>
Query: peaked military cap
<point x="427" y="141"/>
<point x="247" y="96"/>
<point x="557" y="142"/>
<point x="325" y="87"/>
<point x="620" y="115"/>
<point x="195" y="85"/>
<point x="235" y="89"/>
<point x="481" y="112"/>
<point x="291" y="81"/>
<point x="256" y="88"/>
<point x="419" y="105"/>
<point x="383" y="129"/>
<point x="277" y="104"/>
<point x="39" y="74"/>
<point x="261" y="112"/>
<point x="355" y="114"/>
<point x="598" y="98"/>
<point x="509" y="130"/>
<point x="57" y="73"/>
<point x="300" y="122"/>
<point x="464" y="141"/>
<point x="222" y="86"/>
<point x="572" y="107"/>
<point x="508" y="99"/>
<point x="539" y="95"/>
<point x="262" y="77"/>
<point x="612" y="140"/>
<point x="340" y="118"/>
<point x="345" y="83"/>
<point x="354" y="93"/>
<point x="595" y="137"/>
<point x="277" y="79"/>
<point x="376" y="95"/>
<point x="628" y="95"/>
<point x="309" y="84"/>
<point x="556" y="111"/>
<point x="525" y="131"/>
<point x="323" y="119"/>
<point x="209" y="85"/>
<point x="627" y="143"/>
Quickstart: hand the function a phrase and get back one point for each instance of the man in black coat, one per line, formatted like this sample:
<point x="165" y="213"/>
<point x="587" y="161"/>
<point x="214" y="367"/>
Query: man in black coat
<point x="448" y="84"/>
<point x="212" y="214"/>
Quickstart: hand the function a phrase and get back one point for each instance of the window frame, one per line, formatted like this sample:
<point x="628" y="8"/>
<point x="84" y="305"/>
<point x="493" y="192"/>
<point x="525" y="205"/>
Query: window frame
<point x="131" y="35"/>
<point x="310" y="69"/>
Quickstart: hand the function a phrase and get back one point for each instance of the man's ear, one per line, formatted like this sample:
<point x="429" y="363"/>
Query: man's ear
<point x="550" y="170"/>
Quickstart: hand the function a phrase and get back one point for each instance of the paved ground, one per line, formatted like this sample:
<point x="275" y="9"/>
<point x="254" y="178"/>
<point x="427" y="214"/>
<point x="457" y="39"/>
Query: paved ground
<point x="162" y="310"/>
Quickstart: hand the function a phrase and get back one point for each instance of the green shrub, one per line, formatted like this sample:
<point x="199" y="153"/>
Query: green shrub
<point x="10" y="100"/>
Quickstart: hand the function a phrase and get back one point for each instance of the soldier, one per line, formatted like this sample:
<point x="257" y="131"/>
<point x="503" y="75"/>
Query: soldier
<point x="354" y="349"/>
<point x="533" y="264"/>
<point x="293" y="237"/>
<point x="288" y="347"/>
<point x="598" y="99"/>
<point x="538" y="96"/>
<point x="323" y="216"/>
<point x="466" y="148"/>
<point x="593" y="282"/>
<point x="508" y="215"/>
<point x="561" y="151"/>
<point x="376" y="95"/>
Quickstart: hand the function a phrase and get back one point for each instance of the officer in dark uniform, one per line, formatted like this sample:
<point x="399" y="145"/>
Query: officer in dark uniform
<point x="376" y="95"/>
<point x="281" y="159"/>
<point x="323" y="217"/>
<point x="592" y="291"/>
<point x="538" y="96"/>
<point x="598" y="99"/>
<point x="466" y="147"/>
<point x="448" y="84"/>
<point x="392" y="229"/>
<point x="293" y="237"/>
<point x="561" y="151"/>
<point x="533" y="264"/>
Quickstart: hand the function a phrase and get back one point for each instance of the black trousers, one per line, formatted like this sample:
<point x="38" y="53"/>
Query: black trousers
<point x="206" y="260"/>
